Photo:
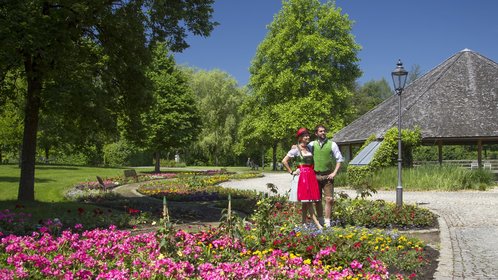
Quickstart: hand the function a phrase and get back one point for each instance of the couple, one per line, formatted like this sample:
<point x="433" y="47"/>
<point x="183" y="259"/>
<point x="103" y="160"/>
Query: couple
<point x="316" y="172"/>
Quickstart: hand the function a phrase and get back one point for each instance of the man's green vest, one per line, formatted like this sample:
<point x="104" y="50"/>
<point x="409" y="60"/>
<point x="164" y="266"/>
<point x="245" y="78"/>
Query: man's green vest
<point x="322" y="156"/>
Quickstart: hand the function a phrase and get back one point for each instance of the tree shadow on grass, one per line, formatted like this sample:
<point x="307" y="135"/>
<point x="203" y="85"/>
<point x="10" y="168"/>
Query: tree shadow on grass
<point x="14" y="179"/>
<point x="55" y="167"/>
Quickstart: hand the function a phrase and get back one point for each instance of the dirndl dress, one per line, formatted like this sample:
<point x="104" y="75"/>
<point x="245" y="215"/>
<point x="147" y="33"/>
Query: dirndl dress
<point x="304" y="187"/>
<point x="307" y="186"/>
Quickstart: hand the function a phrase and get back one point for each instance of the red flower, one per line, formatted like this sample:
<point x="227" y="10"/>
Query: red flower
<point x="132" y="211"/>
<point x="357" y="245"/>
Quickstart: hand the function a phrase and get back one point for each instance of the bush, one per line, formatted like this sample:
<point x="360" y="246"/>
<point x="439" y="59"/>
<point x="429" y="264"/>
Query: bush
<point x="382" y="214"/>
<point x="122" y="153"/>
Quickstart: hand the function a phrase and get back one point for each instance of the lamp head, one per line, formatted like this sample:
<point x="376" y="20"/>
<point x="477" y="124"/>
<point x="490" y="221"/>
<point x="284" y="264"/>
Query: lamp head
<point x="399" y="76"/>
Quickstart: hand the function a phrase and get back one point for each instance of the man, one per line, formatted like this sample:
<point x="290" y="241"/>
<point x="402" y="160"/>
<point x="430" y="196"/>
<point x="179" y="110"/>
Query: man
<point x="323" y="151"/>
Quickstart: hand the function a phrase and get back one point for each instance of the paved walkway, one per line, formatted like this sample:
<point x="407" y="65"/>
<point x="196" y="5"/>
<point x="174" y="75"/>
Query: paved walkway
<point x="468" y="224"/>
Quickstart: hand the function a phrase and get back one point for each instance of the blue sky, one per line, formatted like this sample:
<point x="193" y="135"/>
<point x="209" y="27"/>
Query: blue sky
<point x="422" y="32"/>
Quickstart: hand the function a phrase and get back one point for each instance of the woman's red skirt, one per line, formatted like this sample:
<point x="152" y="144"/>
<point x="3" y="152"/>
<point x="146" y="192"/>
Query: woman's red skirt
<point x="307" y="187"/>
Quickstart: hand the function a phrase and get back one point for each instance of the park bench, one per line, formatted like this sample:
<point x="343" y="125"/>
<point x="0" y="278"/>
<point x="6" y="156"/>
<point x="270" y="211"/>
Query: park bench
<point x="131" y="173"/>
<point x="101" y="183"/>
<point x="105" y="186"/>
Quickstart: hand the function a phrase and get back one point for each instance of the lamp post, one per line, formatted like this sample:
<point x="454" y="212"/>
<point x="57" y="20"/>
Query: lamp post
<point x="399" y="79"/>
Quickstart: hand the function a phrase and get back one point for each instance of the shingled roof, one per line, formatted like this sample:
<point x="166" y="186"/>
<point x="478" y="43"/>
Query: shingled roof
<point x="456" y="102"/>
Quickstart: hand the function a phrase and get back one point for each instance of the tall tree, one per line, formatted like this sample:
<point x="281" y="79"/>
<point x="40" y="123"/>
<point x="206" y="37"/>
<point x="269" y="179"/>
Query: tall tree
<point x="173" y="121"/>
<point x="303" y="71"/>
<point x="48" y="39"/>
<point x="219" y="99"/>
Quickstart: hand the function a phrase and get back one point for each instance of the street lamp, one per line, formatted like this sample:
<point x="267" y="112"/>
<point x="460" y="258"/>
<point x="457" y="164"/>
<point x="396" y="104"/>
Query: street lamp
<point x="399" y="79"/>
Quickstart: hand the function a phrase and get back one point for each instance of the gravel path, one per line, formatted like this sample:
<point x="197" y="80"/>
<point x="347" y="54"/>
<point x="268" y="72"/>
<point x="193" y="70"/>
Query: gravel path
<point x="468" y="222"/>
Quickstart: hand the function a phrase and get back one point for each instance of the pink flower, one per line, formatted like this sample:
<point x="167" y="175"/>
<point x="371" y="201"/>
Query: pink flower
<point x="356" y="265"/>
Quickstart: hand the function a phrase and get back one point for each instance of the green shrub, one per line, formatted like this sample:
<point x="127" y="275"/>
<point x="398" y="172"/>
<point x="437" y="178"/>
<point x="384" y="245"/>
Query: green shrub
<point x="359" y="177"/>
<point x="382" y="214"/>
<point x="122" y="153"/>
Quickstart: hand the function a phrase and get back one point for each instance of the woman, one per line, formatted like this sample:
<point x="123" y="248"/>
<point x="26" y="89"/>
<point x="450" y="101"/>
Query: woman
<point x="307" y="186"/>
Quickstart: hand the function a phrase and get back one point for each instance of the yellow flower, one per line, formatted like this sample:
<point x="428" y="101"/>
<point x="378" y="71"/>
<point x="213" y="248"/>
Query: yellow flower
<point x="307" y="261"/>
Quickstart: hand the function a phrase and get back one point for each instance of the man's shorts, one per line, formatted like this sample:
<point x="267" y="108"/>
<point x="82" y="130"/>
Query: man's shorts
<point x="326" y="185"/>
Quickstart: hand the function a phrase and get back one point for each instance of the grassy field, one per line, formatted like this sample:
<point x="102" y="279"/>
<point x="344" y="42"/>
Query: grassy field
<point x="50" y="181"/>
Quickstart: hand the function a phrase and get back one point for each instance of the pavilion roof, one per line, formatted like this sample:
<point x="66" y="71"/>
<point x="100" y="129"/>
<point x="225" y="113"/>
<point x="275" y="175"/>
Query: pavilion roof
<point x="455" y="102"/>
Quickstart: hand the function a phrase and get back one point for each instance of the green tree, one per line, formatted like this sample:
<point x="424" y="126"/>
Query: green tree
<point x="108" y="38"/>
<point x="303" y="71"/>
<point x="173" y="121"/>
<point x="219" y="99"/>
<point x="370" y="95"/>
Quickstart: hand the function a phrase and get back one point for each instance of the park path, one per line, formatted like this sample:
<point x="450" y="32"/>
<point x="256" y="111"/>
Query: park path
<point x="468" y="224"/>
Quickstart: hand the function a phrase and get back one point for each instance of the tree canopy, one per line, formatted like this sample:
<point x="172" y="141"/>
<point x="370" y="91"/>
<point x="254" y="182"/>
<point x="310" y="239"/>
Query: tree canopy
<point x="370" y="95"/>
<point x="173" y="120"/>
<point x="106" y="41"/>
<point x="219" y="99"/>
<point x="303" y="71"/>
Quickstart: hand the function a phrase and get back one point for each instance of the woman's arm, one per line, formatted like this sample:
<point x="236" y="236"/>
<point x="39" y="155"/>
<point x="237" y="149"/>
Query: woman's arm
<point x="285" y="162"/>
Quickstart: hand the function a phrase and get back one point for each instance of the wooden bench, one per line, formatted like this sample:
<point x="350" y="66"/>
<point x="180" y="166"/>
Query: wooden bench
<point x="131" y="173"/>
<point x="101" y="183"/>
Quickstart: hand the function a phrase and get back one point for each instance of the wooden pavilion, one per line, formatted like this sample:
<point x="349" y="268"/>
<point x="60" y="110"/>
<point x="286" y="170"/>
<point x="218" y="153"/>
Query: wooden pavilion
<point x="456" y="103"/>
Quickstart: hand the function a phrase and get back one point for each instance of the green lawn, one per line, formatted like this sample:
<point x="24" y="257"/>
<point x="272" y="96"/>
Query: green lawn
<point x="51" y="181"/>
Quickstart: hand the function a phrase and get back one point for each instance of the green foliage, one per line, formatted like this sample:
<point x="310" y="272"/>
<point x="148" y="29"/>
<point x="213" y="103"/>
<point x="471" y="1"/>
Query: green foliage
<point x="123" y="153"/>
<point x="218" y="99"/>
<point x="307" y="59"/>
<point x="387" y="154"/>
<point x="453" y="152"/>
<point x="173" y="121"/>
<point x="74" y="54"/>
<point x="381" y="214"/>
<point x="10" y="128"/>
<point x="360" y="177"/>
<point x="370" y="95"/>
<point x="117" y="154"/>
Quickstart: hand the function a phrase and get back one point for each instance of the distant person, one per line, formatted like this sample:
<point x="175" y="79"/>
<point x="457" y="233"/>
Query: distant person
<point x="324" y="151"/>
<point x="307" y="186"/>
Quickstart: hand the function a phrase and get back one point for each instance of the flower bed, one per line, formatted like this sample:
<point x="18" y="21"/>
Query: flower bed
<point x="115" y="254"/>
<point x="192" y="187"/>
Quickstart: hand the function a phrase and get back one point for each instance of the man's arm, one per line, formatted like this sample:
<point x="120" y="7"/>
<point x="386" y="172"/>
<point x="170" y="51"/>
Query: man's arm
<point x="338" y="157"/>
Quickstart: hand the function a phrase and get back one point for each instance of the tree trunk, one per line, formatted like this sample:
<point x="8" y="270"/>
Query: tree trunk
<point x="31" y="116"/>
<point x="1" y="159"/>
<point x="274" y="153"/>
<point x="47" y="154"/>
<point x="157" y="165"/>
